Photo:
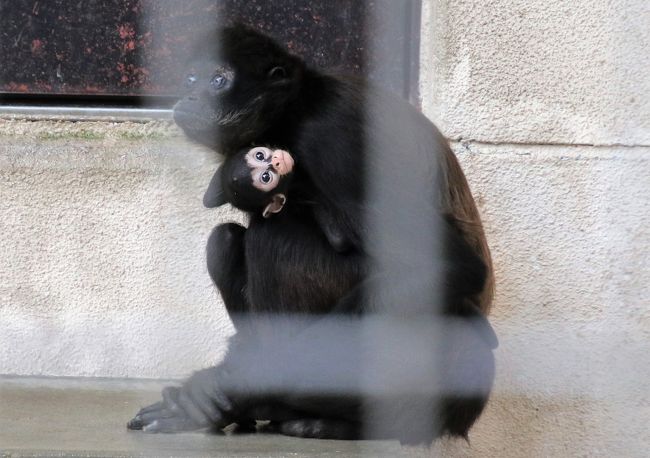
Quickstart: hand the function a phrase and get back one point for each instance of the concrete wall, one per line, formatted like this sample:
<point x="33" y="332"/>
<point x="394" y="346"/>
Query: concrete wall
<point x="549" y="104"/>
<point x="103" y="266"/>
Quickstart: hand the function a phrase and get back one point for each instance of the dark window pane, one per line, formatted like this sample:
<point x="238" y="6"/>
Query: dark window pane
<point x="136" y="47"/>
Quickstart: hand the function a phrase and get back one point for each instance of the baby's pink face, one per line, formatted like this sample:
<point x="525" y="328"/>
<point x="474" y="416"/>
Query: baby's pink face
<point x="267" y="166"/>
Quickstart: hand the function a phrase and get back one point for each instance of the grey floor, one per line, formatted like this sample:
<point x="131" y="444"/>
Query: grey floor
<point x="87" y="417"/>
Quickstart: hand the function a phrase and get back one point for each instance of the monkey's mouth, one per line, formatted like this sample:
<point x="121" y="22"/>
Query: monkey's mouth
<point x="189" y="121"/>
<point x="282" y="162"/>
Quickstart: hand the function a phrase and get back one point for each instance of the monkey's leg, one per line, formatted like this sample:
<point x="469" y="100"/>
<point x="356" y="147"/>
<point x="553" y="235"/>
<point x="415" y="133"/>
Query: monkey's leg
<point x="227" y="266"/>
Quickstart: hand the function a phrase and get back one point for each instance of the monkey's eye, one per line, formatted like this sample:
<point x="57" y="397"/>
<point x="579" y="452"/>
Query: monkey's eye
<point x="218" y="82"/>
<point x="266" y="177"/>
<point x="260" y="156"/>
<point x="191" y="80"/>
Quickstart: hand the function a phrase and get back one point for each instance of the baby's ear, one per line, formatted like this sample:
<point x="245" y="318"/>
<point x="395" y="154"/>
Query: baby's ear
<point x="214" y="196"/>
<point x="276" y="205"/>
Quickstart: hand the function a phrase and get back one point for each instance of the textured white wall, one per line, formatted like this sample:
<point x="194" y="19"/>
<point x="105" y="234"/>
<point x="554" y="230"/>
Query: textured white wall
<point x="551" y="103"/>
<point x="103" y="266"/>
<point x="547" y="71"/>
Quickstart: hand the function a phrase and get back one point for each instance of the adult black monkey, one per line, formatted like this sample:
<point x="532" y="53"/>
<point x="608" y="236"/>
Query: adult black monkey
<point x="243" y="88"/>
<point x="300" y="368"/>
<point x="254" y="91"/>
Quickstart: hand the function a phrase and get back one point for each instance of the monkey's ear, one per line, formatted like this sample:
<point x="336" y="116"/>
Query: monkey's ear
<point x="214" y="196"/>
<point x="277" y="73"/>
<point x="276" y="205"/>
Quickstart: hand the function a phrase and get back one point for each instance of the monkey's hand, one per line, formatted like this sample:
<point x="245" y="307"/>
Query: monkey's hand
<point x="333" y="229"/>
<point x="198" y="404"/>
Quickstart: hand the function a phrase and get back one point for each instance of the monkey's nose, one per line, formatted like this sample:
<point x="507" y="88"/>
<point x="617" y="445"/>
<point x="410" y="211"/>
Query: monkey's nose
<point x="282" y="162"/>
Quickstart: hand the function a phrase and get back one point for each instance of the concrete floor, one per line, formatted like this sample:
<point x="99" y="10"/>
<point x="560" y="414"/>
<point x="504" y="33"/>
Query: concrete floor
<point x="87" y="418"/>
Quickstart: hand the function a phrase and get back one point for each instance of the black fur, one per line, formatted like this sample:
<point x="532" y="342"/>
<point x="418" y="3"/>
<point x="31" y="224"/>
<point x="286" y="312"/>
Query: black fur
<point x="311" y="263"/>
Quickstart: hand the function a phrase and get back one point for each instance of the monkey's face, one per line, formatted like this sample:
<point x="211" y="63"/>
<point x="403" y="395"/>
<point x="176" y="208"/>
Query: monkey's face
<point x="268" y="166"/>
<point x="256" y="179"/>
<point x="237" y="84"/>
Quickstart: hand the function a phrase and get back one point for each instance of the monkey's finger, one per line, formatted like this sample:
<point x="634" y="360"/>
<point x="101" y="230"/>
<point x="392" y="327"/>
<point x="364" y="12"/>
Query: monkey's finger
<point x="140" y="421"/>
<point x="171" y="425"/>
<point x="137" y="422"/>
<point x="194" y="412"/>
<point x="170" y="399"/>
<point x="152" y="408"/>
<point x="208" y="402"/>
<point x="218" y="396"/>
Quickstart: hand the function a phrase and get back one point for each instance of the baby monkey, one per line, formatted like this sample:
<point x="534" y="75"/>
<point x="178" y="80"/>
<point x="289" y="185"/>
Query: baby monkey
<point x="254" y="179"/>
<point x="257" y="179"/>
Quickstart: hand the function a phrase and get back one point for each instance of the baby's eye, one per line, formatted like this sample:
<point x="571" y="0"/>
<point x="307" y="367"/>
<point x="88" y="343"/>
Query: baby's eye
<point x="259" y="156"/>
<point x="266" y="177"/>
